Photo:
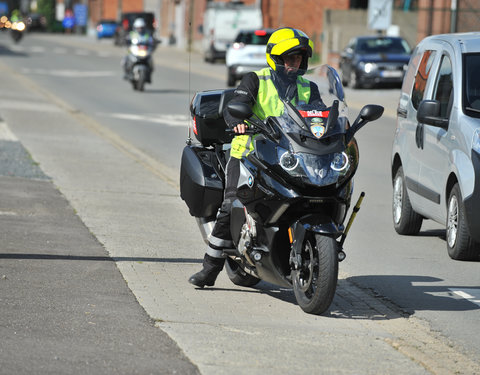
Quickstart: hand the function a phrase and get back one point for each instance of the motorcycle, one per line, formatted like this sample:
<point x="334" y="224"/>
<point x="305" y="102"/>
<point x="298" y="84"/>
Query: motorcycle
<point x="139" y="64"/>
<point x="294" y="190"/>
<point x="16" y="30"/>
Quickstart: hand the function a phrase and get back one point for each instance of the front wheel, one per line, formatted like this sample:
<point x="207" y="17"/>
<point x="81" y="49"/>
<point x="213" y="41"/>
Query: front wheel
<point x="314" y="284"/>
<point x="140" y="84"/>
<point x="405" y="219"/>
<point x="460" y="245"/>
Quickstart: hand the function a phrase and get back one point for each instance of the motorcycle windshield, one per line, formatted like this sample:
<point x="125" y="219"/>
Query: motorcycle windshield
<point x="312" y="150"/>
<point x="322" y="119"/>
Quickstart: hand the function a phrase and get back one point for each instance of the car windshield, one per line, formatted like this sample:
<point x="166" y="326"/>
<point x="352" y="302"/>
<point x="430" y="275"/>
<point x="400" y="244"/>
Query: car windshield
<point x="382" y="45"/>
<point x="472" y="83"/>
<point x="259" y="37"/>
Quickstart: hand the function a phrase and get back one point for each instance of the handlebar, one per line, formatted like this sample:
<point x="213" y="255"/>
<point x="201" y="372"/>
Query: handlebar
<point x="249" y="131"/>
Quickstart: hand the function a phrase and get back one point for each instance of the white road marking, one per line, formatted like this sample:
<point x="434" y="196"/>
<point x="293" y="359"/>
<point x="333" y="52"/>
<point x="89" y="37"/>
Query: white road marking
<point x="70" y="73"/>
<point x="170" y="120"/>
<point x="472" y="295"/>
<point x="5" y="133"/>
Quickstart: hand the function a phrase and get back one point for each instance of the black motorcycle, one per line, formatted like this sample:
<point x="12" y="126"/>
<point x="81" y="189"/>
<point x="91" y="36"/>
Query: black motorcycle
<point x="294" y="190"/>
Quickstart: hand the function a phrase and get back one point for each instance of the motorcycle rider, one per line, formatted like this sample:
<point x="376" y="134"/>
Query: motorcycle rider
<point x="139" y="35"/>
<point x="287" y="54"/>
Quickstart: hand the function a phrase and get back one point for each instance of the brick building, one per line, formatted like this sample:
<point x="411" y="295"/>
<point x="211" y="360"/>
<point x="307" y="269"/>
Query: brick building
<point x="179" y="21"/>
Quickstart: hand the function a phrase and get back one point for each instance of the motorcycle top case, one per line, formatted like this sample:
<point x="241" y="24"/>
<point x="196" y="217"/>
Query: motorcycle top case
<point x="206" y="110"/>
<point x="200" y="185"/>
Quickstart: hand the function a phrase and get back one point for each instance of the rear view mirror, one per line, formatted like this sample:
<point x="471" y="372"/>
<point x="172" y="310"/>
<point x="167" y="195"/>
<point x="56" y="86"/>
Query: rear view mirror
<point x="240" y="110"/>
<point x="429" y="113"/>
<point x="371" y="112"/>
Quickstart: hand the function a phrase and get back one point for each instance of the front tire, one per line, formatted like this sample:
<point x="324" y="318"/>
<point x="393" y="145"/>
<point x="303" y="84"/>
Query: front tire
<point x="460" y="245"/>
<point x="314" y="284"/>
<point x="405" y="219"/>
<point x="239" y="276"/>
<point x="140" y="84"/>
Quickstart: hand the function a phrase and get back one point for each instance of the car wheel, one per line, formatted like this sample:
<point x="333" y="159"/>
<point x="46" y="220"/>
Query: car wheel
<point x="354" y="84"/>
<point x="460" y="245"/>
<point x="344" y="78"/>
<point x="405" y="219"/>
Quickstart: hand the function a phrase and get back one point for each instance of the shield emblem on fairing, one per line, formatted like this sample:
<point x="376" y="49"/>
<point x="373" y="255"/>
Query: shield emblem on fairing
<point x="318" y="130"/>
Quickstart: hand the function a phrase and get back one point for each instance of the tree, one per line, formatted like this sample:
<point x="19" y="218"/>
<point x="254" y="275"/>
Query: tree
<point x="47" y="8"/>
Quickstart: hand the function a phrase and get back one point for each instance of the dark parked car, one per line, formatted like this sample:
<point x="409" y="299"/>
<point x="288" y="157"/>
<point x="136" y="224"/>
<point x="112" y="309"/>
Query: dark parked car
<point x="36" y="22"/>
<point x="126" y="24"/>
<point x="371" y="60"/>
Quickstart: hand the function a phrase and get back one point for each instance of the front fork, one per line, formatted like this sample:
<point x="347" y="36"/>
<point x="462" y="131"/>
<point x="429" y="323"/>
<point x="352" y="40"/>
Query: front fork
<point x="298" y="230"/>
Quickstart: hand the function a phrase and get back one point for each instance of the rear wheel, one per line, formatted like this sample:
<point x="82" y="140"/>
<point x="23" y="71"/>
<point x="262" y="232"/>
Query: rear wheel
<point x="405" y="219"/>
<point x="314" y="284"/>
<point x="460" y="245"/>
<point x="238" y="276"/>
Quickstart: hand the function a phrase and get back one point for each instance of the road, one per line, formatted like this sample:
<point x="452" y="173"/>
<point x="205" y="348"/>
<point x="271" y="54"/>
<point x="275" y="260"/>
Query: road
<point x="402" y="306"/>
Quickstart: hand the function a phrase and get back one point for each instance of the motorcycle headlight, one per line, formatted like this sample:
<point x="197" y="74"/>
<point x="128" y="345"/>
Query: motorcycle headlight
<point x="340" y="162"/>
<point x="320" y="170"/>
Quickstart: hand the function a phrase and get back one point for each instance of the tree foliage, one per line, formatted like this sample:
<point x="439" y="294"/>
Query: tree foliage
<point x="47" y="8"/>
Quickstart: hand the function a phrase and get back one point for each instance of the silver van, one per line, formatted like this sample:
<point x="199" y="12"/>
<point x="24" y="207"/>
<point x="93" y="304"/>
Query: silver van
<point x="436" y="149"/>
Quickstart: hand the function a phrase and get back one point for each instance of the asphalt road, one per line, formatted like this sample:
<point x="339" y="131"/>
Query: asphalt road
<point x="114" y="154"/>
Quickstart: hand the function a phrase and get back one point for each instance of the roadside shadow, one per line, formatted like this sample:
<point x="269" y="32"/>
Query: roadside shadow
<point x="402" y="295"/>
<point x="440" y="233"/>
<point x="5" y="51"/>
<point x="106" y="258"/>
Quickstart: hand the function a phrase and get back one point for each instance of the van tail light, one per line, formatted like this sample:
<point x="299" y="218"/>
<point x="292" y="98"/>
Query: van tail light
<point x="195" y="125"/>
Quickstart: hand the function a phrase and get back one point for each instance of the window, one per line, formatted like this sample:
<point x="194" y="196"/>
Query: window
<point x="422" y="77"/>
<point x="471" y="84"/>
<point x="444" y="87"/>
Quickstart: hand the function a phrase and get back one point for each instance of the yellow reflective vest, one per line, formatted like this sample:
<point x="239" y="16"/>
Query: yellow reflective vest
<point x="268" y="104"/>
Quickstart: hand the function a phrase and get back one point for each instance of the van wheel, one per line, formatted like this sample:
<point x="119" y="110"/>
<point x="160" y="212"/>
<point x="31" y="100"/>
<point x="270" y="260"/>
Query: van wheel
<point x="405" y="219"/>
<point x="460" y="245"/>
<point x="231" y="80"/>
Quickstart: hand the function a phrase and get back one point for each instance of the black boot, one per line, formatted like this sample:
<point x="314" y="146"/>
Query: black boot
<point x="207" y="276"/>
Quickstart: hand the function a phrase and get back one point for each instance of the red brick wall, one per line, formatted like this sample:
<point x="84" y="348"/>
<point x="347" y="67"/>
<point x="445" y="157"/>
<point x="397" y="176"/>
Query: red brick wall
<point x="306" y="15"/>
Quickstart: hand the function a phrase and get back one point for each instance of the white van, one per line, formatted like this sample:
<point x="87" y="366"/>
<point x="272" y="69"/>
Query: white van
<point x="221" y="23"/>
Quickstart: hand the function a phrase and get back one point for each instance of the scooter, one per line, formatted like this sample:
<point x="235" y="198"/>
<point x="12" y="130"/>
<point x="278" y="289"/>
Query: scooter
<point x="294" y="190"/>
<point x="139" y="64"/>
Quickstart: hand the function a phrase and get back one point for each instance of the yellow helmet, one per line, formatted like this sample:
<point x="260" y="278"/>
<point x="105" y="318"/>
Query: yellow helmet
<point x="288" y="41"/>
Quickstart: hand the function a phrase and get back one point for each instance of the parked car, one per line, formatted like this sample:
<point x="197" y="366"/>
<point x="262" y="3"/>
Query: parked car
<point x="371" y="60"/>
<point x="106" y="28"/>
<point x="247" y="53"/>
<point x="436" y="149"/>
<point x="126" y="24"/>
<point x="36" y="22"/>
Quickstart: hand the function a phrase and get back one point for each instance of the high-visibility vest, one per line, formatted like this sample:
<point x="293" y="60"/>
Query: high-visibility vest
<point x="268" y="104"/>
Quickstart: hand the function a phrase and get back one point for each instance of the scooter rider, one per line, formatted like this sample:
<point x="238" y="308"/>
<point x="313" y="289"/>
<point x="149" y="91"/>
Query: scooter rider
<point x="139" y="35"/>
<point x="287" y="55"/>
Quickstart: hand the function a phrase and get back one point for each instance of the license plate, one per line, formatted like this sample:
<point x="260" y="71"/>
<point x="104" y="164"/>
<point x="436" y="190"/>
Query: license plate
<point x="391" y="73"/>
